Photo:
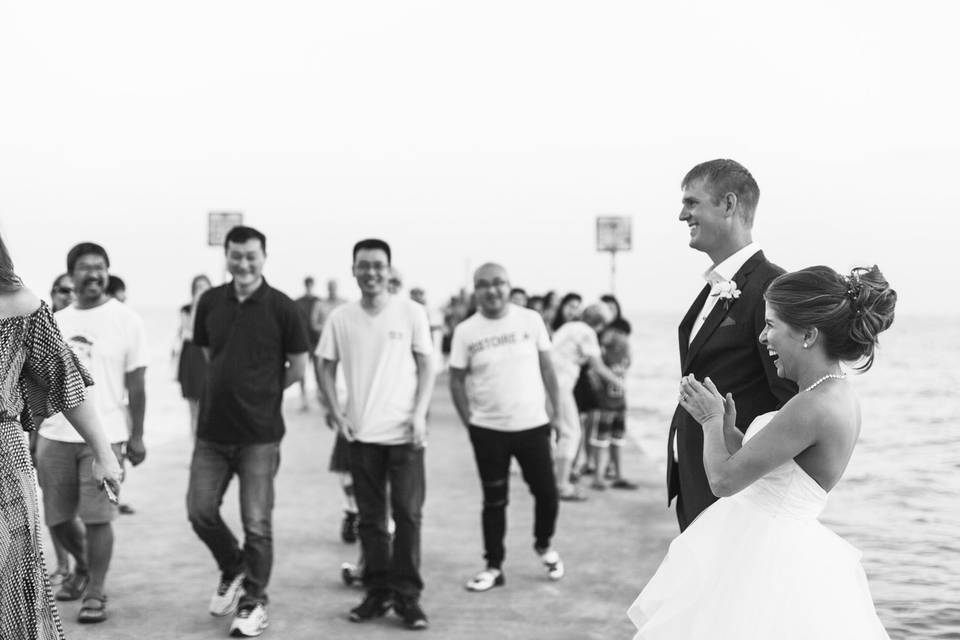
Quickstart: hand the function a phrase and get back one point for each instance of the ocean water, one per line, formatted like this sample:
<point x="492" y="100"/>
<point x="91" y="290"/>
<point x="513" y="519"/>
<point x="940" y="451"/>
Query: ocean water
<point x="898" y="500"/>
<point x="897" y="503"/>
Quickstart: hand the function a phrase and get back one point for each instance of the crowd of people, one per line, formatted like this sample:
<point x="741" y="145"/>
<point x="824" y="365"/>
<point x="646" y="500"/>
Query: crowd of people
<point x="764" y="426"/>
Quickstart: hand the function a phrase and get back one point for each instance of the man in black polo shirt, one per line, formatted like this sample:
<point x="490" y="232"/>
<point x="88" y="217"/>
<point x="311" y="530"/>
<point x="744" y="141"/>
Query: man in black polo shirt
<point x="256" y="345"/>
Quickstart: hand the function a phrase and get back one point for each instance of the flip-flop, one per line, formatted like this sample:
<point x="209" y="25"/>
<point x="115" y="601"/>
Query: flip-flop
<point x="93" y="609"/>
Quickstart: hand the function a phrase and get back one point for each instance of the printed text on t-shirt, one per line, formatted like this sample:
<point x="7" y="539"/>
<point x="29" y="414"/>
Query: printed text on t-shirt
<point x="496" y="341"/>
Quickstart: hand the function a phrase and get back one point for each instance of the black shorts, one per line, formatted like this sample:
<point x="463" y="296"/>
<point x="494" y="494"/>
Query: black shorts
<point x="585" y="393"/>
<point x="612" y="425"/>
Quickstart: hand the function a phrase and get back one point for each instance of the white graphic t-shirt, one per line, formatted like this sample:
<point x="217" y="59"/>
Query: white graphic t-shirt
<point x="110" y="341"/>
<point x="502" y="359"/>
<point x="375" y="352"/>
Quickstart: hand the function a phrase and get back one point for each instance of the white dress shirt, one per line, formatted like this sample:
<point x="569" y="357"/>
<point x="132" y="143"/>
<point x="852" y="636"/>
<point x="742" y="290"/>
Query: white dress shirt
<point x="718" y="274"/>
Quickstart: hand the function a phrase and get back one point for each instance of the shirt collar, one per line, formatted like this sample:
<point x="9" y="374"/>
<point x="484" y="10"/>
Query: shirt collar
<point x="725" y="271"/>
<point x="256" y="295"/>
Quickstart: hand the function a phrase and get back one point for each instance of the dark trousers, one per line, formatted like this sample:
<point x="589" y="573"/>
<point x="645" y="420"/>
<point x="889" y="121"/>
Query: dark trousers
<point x="211" y="470"/>
<point x="389" y="567"/>
<point x="493" y="450"/>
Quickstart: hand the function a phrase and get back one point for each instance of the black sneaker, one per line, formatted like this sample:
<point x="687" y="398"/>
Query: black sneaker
<point x="348" y="529"/>
<point x="411" y="613"/>
<point x="374" y="605"/>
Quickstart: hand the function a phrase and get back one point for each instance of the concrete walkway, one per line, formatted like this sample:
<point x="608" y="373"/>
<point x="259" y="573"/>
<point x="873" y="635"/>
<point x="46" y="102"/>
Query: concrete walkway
<point x="162" y="575"/>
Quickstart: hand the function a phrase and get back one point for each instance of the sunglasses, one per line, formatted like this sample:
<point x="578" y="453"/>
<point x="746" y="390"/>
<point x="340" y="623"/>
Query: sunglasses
<point x="63" y="290"/>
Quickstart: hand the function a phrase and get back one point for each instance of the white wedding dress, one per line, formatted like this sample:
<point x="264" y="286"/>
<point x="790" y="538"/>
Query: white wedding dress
<point x="759" y="565"/>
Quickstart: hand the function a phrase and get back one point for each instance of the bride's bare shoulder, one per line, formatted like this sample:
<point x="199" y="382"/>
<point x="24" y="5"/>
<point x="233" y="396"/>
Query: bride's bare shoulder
<point x="825" y="410"/>
<point x="21" y="302"/>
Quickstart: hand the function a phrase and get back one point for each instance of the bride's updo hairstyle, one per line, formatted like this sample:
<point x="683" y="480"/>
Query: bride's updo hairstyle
<point x="849" y="311"/>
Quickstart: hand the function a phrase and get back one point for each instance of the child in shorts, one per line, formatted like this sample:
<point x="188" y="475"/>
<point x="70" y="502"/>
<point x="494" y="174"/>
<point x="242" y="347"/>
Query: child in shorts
<point x="611" y="427"/>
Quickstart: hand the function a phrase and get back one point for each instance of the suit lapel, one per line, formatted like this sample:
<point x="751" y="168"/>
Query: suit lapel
<point x="721" y="309"/>
<point x="686" y="325"/>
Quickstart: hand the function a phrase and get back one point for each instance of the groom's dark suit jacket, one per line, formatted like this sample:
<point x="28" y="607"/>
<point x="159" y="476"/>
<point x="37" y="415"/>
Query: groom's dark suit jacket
<point x="728" y="351"/>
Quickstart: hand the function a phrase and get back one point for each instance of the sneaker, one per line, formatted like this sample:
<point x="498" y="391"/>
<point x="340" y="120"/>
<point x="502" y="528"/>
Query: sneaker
<point x="351" y="574"/>
<point x="622" y="483"/>
<point x="551" y="560"/>
<point x="486" y="580"/>
<point x="73" y="587"/>
<point x="374" y="605"/>
<point x="228" y="594"/>
<point x="348" y="529"/>
<point x="572" y="495"/>
<point x="411" y="613"/>
<point x="250" y="621"/>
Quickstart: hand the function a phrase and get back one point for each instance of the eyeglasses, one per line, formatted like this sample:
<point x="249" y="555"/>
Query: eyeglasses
<point x="64" y="291"/>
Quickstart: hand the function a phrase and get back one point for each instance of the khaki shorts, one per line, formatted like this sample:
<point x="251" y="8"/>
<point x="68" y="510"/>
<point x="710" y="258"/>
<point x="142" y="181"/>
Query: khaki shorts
<point x="65" y="474"/>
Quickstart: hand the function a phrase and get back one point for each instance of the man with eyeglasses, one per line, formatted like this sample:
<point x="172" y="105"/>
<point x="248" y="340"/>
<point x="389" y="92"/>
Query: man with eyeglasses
<point x="383" y="343"/>
<point x="500" y="377"/>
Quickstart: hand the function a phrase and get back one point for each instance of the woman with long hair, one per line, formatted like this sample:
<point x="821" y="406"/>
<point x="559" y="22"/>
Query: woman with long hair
<point x="191" y="363"/>
<point x="567" y="310"/>
<point x="757" y="564"/>
<point x="40" y="376"/>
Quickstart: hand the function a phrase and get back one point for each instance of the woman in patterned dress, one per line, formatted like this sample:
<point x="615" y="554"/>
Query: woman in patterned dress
<point x="39" y="376"/>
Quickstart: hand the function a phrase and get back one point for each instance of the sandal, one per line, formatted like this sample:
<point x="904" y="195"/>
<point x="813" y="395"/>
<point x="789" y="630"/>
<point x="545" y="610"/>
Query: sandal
<point x="57" y="577"/>
<point x="93" y="609"/>
<point x="486" y="580"/>
<point x="73" y="587"/>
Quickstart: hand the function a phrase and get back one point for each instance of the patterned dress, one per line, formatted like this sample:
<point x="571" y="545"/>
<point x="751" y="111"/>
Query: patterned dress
<point x="39" y="376"/>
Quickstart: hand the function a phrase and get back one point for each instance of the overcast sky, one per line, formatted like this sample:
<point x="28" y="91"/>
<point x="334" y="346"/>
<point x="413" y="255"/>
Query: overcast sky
<point x="466" y="132"/>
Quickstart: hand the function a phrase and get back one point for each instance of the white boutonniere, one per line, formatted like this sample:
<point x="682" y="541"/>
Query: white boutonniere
<point x="726" y="291"/>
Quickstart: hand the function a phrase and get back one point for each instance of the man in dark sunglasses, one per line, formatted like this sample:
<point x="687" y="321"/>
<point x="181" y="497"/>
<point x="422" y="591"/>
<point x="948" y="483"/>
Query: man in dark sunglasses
<point x="62" y="293"/>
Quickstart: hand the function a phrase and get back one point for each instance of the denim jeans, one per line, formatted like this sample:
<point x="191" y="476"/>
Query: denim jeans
<point x="211" y="470"/>
<point x="390" y="567"/>
<point x="493" y="450"/>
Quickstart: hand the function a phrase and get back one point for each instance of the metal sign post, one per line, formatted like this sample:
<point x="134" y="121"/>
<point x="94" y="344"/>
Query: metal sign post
<point x="219" y="224"/>
<point x="614" y="233"/>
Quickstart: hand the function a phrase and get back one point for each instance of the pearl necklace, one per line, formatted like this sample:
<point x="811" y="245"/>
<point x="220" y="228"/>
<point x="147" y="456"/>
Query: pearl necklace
<point x="838" y="376"/>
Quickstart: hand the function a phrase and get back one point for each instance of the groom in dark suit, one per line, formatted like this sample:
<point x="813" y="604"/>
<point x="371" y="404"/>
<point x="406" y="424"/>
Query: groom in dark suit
<point x="718" y="336"/>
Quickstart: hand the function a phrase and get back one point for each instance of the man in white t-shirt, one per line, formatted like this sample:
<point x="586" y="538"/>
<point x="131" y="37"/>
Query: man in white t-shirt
<point x="500" y="376"/>
<point x="575" y="345"/>
<point x="110" y="341"/>
<point x="383" y="344"/>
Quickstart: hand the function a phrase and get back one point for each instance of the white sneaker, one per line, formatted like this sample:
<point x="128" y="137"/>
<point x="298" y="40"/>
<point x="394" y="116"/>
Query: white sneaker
<point x="551" y="560"/>
<point x="228" y="594"/>
<point x="249" y="621"/>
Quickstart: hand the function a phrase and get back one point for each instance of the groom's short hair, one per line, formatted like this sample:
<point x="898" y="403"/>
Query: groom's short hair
<point x="724" y="176"/>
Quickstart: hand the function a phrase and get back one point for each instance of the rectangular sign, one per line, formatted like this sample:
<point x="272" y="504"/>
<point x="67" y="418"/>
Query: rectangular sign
<point x="219" y="224"/>
<point x="614" y="233"/>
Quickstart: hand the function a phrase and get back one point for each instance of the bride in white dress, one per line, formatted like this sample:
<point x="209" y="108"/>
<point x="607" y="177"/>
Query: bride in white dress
<point x="758" y="563"/>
